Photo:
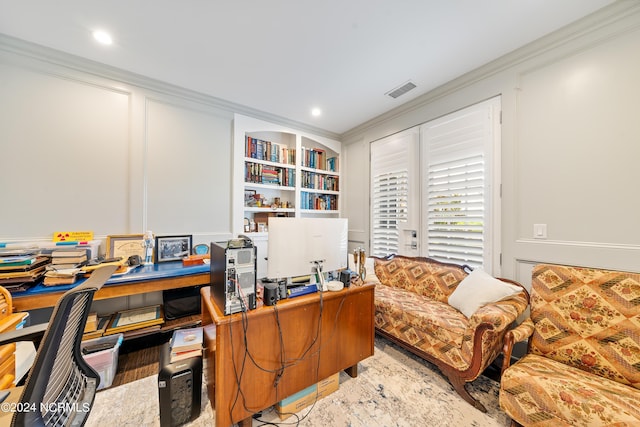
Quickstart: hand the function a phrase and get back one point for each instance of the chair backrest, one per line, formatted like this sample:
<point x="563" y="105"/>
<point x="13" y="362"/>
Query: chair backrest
<point x="424" y="276"/>
<point x="588" y="318"/>
<point x="61" y="386"/>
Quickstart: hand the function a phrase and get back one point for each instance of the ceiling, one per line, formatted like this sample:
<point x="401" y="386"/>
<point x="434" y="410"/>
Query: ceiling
<point x="285" y="57"/>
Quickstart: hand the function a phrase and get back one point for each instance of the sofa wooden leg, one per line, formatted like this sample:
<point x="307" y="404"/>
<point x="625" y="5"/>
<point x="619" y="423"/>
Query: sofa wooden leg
<point x="460" y="388"/>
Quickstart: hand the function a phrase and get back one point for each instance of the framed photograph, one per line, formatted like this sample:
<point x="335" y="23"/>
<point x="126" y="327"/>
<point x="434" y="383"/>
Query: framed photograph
<point x="125" y="245"/>
<point x="172" y="248"/>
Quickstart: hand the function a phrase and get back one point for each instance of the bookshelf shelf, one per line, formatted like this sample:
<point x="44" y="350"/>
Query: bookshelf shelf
<point x="284" y="210"/>
<point x="308" y="164"/>
<point x="320" y="211"/>
<point x="268" y="163"/>
<point x="296" y="171"/>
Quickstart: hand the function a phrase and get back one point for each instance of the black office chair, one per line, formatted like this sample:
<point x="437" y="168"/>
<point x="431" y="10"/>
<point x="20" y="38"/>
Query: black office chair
<point x="61" y="386"/>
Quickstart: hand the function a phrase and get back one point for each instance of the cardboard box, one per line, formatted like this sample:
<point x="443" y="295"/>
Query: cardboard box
<point x="300" y="400"/>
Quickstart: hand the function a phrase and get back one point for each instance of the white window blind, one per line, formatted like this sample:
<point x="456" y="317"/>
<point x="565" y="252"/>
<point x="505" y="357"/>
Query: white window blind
<point x="391" y="161"/>
<point x="456" y="192"/>
<point x="390" y="198"/>
<point x="455" y="210"/>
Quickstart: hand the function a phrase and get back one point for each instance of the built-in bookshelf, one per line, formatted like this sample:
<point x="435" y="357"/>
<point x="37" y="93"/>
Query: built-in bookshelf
<point x="285" y="172"/>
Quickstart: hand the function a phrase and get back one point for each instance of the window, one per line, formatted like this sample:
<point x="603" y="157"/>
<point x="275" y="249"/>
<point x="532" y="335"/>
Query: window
<point x="432" y="188"/>
<point x="390" y="200"/>
<point x="394" y="194"/>
<point x="458" y="150"/>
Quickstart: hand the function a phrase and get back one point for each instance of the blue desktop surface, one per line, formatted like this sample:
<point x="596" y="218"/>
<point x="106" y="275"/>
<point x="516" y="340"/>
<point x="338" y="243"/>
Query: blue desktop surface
<point x="163" y="270"/>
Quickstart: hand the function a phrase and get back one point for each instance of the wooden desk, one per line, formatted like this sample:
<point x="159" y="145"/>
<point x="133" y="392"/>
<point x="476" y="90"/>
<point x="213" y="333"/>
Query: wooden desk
<point x="311" y="346"/>
<point x="153" y="278"/>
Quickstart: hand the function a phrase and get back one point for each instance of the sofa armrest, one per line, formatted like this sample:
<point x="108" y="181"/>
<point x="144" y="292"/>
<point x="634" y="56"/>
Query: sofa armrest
<point x="499" y="315"/>
<point x="520" y="333"/>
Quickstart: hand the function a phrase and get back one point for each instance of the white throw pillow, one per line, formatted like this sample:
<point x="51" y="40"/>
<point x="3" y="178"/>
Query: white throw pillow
<point x="479" y="289"/>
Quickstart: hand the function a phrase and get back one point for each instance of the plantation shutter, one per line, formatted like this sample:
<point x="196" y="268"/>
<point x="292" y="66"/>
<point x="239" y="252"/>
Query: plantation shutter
<point x="456" y="186"/>
<point x="391" y="175"/>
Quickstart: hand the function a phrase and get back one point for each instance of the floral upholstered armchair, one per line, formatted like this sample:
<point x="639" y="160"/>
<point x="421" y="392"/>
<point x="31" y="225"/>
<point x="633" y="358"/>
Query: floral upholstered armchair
<point x="582" y="367"/>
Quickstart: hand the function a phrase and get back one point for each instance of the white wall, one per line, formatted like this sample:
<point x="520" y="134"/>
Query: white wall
<point x="570" y="146"/>
<point x="83" y="153"/>
<point x="87" y="147"/>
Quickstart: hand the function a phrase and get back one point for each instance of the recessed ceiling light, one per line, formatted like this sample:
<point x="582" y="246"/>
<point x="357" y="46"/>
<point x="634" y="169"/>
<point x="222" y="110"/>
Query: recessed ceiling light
<point x="316" y="112"/>
<point x="102" y="37"/>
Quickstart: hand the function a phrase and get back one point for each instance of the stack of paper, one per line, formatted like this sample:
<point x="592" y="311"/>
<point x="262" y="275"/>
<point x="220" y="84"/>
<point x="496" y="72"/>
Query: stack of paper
<point x="21" y="268"/>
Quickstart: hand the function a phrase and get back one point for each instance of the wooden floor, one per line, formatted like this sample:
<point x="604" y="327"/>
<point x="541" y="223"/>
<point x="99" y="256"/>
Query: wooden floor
<point x="137" y="364"/>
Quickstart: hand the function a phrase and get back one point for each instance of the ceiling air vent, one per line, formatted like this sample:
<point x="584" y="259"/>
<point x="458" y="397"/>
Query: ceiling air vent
<point x="401" y="90"/>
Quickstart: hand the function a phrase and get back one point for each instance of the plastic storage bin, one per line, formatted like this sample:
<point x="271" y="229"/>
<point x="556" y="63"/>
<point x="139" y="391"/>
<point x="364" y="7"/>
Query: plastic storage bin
<point x="105" y="362"/>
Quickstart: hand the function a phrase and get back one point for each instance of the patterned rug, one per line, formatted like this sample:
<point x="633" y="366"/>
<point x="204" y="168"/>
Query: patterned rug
<point x="393" y="388"/>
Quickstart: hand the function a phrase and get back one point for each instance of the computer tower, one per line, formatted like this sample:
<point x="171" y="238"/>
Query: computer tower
<point x="233" y="275"/>
<point x="179" y="389"/>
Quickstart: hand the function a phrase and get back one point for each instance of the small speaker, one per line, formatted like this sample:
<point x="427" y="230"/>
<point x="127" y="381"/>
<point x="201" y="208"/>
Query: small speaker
<point x="345" y="277"/>
<point x="282" y="287"/>
<point x="270" y="294"/>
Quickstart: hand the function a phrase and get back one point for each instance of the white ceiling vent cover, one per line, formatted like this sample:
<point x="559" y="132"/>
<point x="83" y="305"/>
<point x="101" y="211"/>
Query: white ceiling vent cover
<point x="401" y="90"/>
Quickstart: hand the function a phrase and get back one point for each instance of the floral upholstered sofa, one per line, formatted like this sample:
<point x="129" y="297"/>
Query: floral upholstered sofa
<point x="582" y="367"/>
<point x="445" y="315"/>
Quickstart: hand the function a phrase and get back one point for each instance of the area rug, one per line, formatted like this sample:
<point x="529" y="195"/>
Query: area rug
<point x="393" y="388"/>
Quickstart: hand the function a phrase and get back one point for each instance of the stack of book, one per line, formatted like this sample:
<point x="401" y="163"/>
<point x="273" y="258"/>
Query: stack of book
<point x="64" y="266"/>
<point x="68" y="258"/>
<point x="186" y="343"/>
<point x="20" y="269"/>
<point x="55" y="276"/>
<point x="270" y="176"/>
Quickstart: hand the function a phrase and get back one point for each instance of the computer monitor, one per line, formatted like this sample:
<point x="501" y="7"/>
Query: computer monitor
<point x="298" y="246"/>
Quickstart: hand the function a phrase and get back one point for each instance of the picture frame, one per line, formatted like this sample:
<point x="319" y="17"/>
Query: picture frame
<point x="173" y="248"/>
<point x="125" y="245"/>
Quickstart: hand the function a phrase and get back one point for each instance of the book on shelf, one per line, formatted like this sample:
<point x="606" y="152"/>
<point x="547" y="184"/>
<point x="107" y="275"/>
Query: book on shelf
<point x="142" y="331"/>
<point x="24" y="266"/>
<point x="176" y="357"/>
<point x="186" y="340"/>
<point x="313" y="201"/>
<point x="315" y="158"/>
<point x="186" y="343"/>
<point x="268" y="151"/>
<point x="100" y="329"/>
<point x="261" y="174"/>
<point x="136" y="318"/>
<point x="92" y="322"/>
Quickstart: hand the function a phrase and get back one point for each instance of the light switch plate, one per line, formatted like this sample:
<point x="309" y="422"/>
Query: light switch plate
<point x="539" y="231"/>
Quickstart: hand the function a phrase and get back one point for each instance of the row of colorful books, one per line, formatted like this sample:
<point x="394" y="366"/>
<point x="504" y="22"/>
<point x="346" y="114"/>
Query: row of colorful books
<point x="319" y="181"/>
<point x="316" y="158"/>
<point x="269" y="151"/>
<point x="257" y="173"/>
<point x="323" y="202"/>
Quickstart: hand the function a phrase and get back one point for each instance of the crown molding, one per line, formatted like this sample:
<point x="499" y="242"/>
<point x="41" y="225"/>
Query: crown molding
<point x="611" y="21"/>
<point x="66" y="61"/>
